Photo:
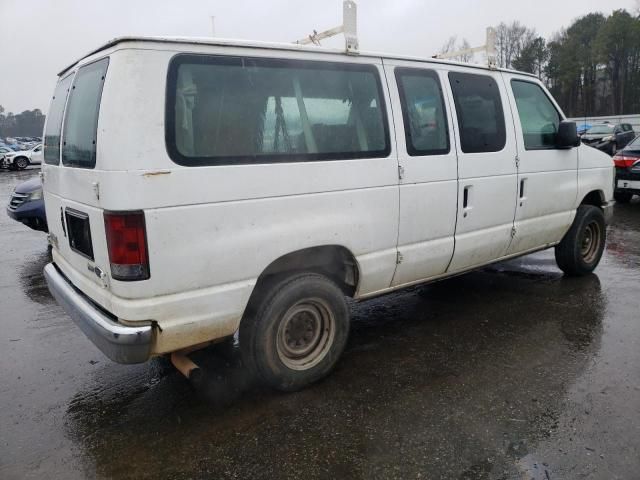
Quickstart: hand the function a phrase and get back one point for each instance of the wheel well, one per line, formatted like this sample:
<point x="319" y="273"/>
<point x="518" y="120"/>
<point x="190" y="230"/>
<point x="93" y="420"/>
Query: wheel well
<point x="595" y="198"/>
<point x="334" y="261"/>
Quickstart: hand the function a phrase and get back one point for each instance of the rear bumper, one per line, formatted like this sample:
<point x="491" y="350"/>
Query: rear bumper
<point x="120" y="343"/>
<point x="627" y="181"/>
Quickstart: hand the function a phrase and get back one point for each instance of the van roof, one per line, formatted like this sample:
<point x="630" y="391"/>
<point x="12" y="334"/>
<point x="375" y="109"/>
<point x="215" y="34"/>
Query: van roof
<point x="277" y="46"/>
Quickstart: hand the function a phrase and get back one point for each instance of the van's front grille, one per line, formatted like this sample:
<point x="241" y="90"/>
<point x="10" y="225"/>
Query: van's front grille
<point x="17" y="199"/>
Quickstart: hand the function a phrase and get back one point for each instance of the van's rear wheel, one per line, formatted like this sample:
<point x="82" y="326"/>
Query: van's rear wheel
<point x="297" y="331"/>
<point x="580" y="250"/>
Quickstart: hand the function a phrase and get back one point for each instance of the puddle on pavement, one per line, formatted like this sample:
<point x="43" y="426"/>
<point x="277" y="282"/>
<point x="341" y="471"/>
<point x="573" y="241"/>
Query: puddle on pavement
<point x="489" y="375"/>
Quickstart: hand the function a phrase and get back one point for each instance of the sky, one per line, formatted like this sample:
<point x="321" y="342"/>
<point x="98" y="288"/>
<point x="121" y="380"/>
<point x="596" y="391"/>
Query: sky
<point x="39" y="38"/>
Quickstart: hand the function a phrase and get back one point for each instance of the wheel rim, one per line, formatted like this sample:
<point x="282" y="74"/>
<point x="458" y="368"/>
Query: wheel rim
<point x="21" y="163"/>
<point x="305" y="334"/>
<point x="590" y="244"/>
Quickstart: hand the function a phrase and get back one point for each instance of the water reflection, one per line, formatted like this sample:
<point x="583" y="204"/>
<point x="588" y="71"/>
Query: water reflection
<point x="623" y="234"/>
<point x="31" y="278"/>
<point x="457" y="379"/>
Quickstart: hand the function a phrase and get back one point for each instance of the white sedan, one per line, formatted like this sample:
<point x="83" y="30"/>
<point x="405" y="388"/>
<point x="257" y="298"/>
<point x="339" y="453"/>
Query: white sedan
<point x="21" y="160"/>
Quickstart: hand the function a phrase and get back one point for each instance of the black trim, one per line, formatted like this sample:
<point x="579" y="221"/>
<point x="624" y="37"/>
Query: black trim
<point x="420" y="72"/>
<point x="91" y="165"/>
<point x="561" y="118"/>
<point x="202" y="59"/>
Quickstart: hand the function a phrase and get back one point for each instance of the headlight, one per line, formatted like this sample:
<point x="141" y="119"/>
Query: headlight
<point x="35" y="195"/>
<point x="607" y="139"/>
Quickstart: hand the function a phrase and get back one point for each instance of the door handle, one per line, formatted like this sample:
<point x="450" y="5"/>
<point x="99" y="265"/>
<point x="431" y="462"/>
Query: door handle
<point x="523" y="183"/>
<point x="466" y="196"/>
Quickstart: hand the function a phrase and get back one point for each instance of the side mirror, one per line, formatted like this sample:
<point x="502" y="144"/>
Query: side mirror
<point x="567" y="135"/>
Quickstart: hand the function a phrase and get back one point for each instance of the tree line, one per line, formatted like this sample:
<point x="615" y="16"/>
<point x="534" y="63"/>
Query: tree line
<point x="592" y="67"/>
<point x="26" y="124"/>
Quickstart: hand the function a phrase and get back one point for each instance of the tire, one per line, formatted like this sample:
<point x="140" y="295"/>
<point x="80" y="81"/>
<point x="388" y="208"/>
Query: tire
<point x="296" y="332"/>
<point x="622" y="197"/>
<point x="21" y="163"/>
<point x="580" y="250"/>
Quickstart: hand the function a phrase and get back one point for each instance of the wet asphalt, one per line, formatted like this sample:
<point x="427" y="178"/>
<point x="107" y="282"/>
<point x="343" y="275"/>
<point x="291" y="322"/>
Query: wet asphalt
<point x="512" y="372"/>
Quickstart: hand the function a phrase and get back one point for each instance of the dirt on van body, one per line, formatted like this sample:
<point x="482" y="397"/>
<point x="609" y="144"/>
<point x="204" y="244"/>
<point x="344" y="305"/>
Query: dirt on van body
<point x="510" y="372"/>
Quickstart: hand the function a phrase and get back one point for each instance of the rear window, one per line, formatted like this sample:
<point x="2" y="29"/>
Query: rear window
<point x="228" y="110"/>
<point x="54" y="122"/>
<point x="635" y="143"/>
<point x="480" y="114"/>
<point x="81" y="118"/>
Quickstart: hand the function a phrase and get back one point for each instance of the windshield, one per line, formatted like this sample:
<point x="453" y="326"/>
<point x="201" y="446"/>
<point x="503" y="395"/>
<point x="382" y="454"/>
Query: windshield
<point x="597" y="129"/>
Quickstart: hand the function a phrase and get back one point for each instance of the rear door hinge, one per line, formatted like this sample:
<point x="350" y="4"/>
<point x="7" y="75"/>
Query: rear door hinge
<point x="517" y="161"/>
<point x="513" y="232"/>
<point x="399" y="258"/>
<point x="96" y="190"/>
<point x="400" y="172"/>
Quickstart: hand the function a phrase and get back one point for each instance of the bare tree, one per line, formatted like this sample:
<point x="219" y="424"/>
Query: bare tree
<point x="451" y="46"/>
<point x="510" y="40"/>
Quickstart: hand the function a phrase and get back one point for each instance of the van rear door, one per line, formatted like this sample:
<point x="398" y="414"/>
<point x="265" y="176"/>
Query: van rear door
<point x="70" y="179"/>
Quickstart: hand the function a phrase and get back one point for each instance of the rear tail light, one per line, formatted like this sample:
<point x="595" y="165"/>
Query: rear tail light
<point x="624" y="161"/>
<point x="127" y="245"/>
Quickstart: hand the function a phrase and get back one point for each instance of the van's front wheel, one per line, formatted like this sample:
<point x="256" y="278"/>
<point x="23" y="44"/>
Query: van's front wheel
<point x="296" y="332"/>
<point x="580" y="250"/>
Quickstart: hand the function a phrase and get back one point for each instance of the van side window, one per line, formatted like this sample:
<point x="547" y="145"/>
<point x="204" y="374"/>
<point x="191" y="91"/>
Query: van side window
<point x="423" y="111"/>
<point x="229" y="110"/>
<point x="539" y="118"/>
<point x="480" y="114"/>
<point x="54" y="122"/>
<point x="81" y="118"/>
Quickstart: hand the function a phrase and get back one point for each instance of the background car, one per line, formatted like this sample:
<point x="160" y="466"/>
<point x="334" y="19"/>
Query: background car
<point x="26" y="205"/>
<point x="22" y="159"/>
<point x="5" y="150"/>
<point x="627" y="163"/>
<point x="583" y="128"/>
<point x="609" y="137"/>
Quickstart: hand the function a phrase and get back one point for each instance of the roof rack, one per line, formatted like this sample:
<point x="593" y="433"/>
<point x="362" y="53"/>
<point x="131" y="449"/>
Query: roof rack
<point x="489" y="48"/>
<point x="349" y="28"/>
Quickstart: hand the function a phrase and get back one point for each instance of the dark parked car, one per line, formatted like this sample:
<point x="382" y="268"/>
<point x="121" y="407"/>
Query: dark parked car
<point x="27" y="205"/>
<point x="609" y="137"/>
<point x="627" y="163"/>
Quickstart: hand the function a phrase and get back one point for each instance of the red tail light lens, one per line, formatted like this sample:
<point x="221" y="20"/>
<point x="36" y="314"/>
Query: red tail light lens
<point x="624" y="161"/>
<point x="127" y="245"/>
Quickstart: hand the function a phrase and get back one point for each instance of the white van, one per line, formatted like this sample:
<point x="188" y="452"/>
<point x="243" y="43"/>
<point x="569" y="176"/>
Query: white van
<point x="199" y="188"/>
